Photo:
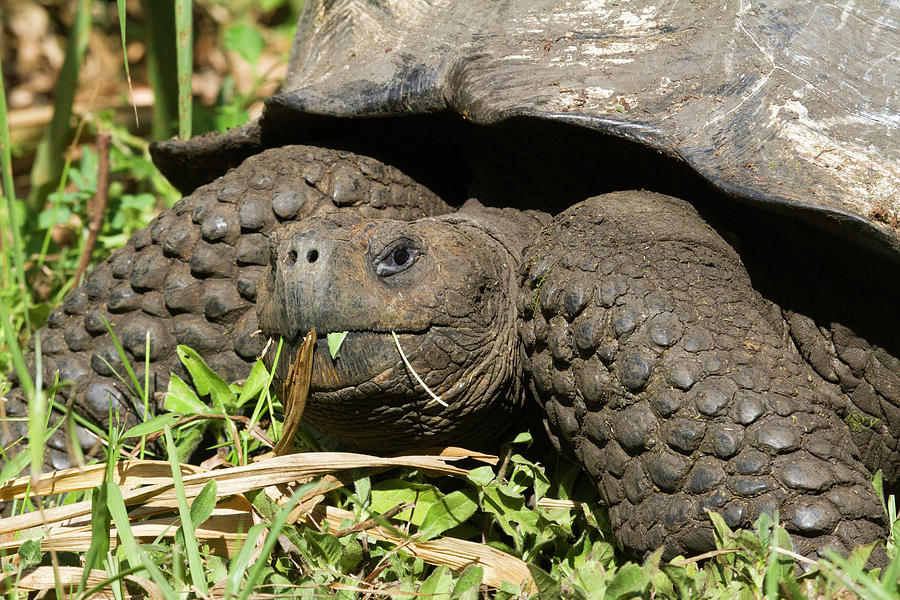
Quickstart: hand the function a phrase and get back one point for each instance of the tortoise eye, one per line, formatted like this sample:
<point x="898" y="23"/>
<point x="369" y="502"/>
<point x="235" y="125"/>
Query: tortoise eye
<point x="399" y="258"/>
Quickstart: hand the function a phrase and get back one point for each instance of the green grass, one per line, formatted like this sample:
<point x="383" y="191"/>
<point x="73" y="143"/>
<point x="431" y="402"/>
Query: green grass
<point x="562" y="534"/>
<point x="538" y="508"/>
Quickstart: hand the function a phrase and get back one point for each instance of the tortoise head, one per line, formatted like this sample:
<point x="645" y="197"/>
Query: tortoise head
<point x="446" y="286"/>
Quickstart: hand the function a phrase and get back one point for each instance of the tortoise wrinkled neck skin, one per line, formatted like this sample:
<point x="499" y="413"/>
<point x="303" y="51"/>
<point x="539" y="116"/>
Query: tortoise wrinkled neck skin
<point x="445" y="286"/>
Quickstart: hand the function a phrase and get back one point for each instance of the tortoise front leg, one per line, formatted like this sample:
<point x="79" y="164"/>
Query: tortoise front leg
<point x="192" y="277"/>
<point x="670" y="379"/>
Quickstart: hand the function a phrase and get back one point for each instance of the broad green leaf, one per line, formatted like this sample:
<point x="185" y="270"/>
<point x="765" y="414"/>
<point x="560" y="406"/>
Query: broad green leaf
<point x="328" y="546"/>
<point x="481" y="476"/>
<point x="439" y="584"/>
<point x="523" y="438"/>
<point x="453" y="509"/>
<point x="548" y="587"/>
<point x="469" y="581"/>
<point x="181" y="398"/>
<point x="203" y="505"/>
<point x="510" y="513"/>
<point x="723" y="532"/>
<point x="593" y="579"/>
<point x="362" y="485"/>
<point x="30" y="553"/>
<point x="351" y="556"/>
<point x="683" y="579"/>
<point x="153" y="425"/>
<point x="391" y="492"/>
<point x="256" y="383"/>
<point x="630" y="580"/>
<point x="508" y="591"/>
<point x="246" y="41"/>
<point x="335" y="339"/>
<point x="206" y="380"/>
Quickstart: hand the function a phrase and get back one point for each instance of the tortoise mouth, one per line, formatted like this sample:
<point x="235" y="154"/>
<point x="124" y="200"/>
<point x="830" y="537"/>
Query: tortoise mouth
<point x="364" y="356"/>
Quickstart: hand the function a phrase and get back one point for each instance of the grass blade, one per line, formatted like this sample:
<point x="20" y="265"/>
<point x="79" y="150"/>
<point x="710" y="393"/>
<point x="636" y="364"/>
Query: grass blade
<point x="187" y="525"/>
<point x="277" y="525"/>
<point x="184" y="32"/>
<point x="37" y="414"/>
<point x="139" y="390"/>
<point x="49" y="160"/>
<point x="10" y="193"/>
<point x="161" y="55"/>
<point x="136" y="556"/>
<point x="120" y="4"/>
<point x="101" y="521"/>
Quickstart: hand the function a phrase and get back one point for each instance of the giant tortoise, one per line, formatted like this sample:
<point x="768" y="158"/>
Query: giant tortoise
<point x="670" y="227"/>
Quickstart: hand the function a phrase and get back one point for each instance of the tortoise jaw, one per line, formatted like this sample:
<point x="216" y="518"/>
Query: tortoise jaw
<point x="363" y="356"/>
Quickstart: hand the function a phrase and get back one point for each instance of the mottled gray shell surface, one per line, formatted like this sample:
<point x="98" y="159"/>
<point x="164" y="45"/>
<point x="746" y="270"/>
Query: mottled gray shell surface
<point x="790" y="104"/>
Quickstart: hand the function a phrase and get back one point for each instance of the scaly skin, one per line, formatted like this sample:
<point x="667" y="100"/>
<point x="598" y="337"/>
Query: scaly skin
<point x="192" y="276"/>
<point x="452" y="302"/>
<point x="657" y="365"/>
<point x="668" y="377"/>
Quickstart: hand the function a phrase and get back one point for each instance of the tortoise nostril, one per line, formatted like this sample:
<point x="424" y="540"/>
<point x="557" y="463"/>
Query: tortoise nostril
<point x="291" y="258"/>
<point x="312" y="256"/>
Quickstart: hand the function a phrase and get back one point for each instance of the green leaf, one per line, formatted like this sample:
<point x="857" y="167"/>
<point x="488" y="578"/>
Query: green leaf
<point x="335" y="339"/>
<point x="683" y="579"/>
<point x="203" y="505"/>
<point x="255" y="384"/>
<point x="181" y="398"/>
<point x="246" y="41"/>
<point x="453" y="509"/>
<point x="791" y="590"/>
<point x="510" y="513"/>
<point x="630" y="580"/>
<point x="30" y="553"/>
<point x="206" y="380"/>
<point x="780" y="567"/>
<point x="391" y="492"/>
<point x="723" y="532"/>
<point x="548" y="588"/>
<point x="481" y="476"/>
<point x="891" y="573"/>
<point x="592" y="579"/>
<point x="523" y="438"/>
<point x="327" y="546"/>
<point x="152" y="426"/>
<point x="469" y="581"/>
<point x="351" y="556"/>
<point x="362" y="485"/>
<point x="254" y="577"/>
<point x="878" y="484"/>
<point x="439" y="583"/>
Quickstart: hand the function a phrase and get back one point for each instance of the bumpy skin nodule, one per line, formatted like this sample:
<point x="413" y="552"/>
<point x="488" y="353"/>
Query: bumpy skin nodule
<point x="192" y="277"/>
<point x="677" y="385"/>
